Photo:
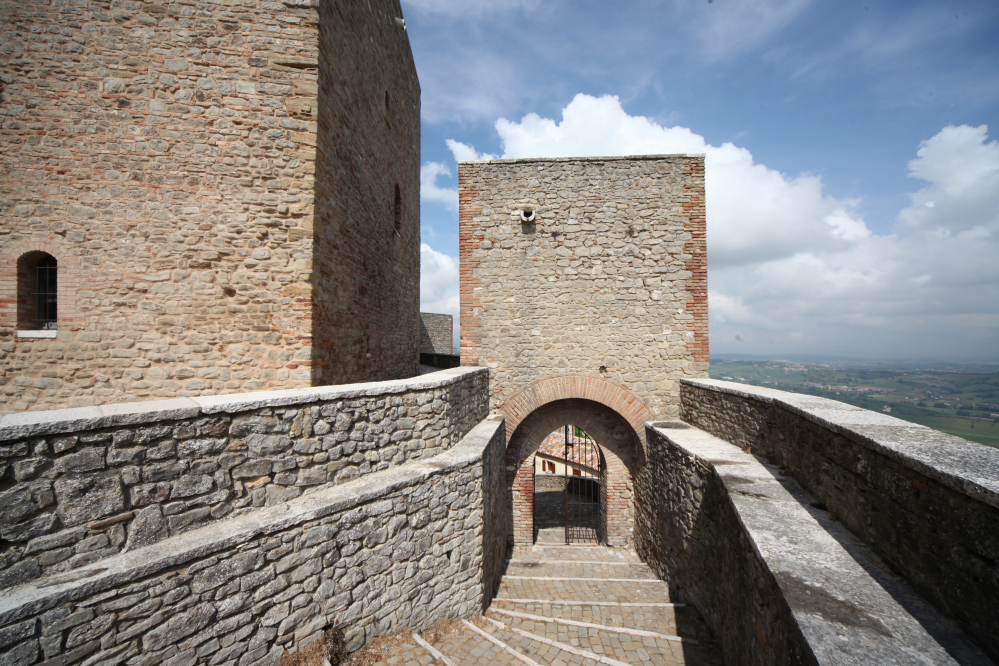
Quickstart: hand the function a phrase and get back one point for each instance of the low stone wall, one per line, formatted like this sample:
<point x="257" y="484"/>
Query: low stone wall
<point x="400" y="547"/>
<point x="83" y="484"/>
<point x="777" y="580"/>
<point x="926" y="502"/>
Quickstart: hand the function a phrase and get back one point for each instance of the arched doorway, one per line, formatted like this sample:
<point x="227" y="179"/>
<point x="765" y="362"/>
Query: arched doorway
<point x="567" y="492"/>
<point x="621" y="458"/>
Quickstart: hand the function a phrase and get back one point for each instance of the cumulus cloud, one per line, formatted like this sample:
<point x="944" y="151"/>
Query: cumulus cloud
<point x="796" y="270"/>
<point x="431" y="191"/>
<point x="439" y="284"/>
<point x="463" y="152"/>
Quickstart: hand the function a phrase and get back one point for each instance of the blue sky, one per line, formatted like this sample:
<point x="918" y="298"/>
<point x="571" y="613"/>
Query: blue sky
<point x="853" y="173"/>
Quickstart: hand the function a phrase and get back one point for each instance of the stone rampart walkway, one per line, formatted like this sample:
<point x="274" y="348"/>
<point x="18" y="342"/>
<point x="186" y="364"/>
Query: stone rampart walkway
<point x="560" y="605"/>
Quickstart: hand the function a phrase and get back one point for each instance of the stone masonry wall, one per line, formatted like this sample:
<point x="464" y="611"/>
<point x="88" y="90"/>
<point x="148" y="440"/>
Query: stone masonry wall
<point x="690" y="534"/>
<point x="366" y="268"/>
<point x="436" y="333"/>
<point x="165" y="154"/>
<point x="609" y="278"/>
<point x="77" y="488"/>
<point x="926" y="502"/>
<point x="400" y="547"/>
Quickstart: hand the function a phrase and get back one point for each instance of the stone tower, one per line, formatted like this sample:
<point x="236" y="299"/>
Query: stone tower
<point x="226" y="193"/>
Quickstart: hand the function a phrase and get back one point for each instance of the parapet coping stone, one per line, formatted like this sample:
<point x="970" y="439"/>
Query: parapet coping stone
<point x="959" y="464"/>
<point x="846" y="614"/>
<point x="607" y="158"/>
<point x="75" y="419"/>
<point x="111" y="573"/>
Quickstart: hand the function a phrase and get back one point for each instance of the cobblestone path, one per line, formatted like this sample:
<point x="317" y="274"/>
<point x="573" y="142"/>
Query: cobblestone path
<point x="562" y="605"/>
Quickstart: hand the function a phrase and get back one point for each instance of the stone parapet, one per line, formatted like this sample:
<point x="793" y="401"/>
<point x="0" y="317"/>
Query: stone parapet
<point x="778" y="579"/>
<point x="85" y="484"/>
<point x="924" y="501"/>
<point x="405" y="546"/>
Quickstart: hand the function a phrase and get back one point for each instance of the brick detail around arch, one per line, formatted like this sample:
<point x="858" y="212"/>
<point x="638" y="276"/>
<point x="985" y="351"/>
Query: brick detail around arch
<point x="68" y="281"/>
<point x="621" y="461"/>
<point x="585" y="387"/>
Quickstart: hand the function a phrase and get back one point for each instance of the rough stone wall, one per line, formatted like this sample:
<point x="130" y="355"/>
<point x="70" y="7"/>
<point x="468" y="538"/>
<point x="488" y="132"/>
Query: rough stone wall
<point x="366" y="271"/>
<point x="436" y="333"/>
<point x="165" y="154"/>
<point x="689" y="533"/>
<point x="399" y="548"/>
<point x="608" y="280"/>
<point x="74" y="495"/>
<point x="881" y="477"/>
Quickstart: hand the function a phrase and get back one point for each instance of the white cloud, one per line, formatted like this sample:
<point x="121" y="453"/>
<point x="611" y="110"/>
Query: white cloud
<point x="439" y="284"/>
<point x="463" y="151"/>
<point x="431" y="191"/>
<point x="756" y="213"/>
<point x="795" y="270"/>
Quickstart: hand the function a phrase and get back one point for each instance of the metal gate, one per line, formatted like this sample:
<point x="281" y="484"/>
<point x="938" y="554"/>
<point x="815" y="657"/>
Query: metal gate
<point x="582" y="488"/>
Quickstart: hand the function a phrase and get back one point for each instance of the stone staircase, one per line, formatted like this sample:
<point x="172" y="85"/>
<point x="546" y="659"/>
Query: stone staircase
<point x="563" y="605"/>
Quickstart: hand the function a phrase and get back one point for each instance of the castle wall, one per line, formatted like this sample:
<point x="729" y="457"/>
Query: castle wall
<point x="367" y="242"/>
<point x="436" y="333"/>
<point x="608" y="281"/>
<point x="924" y="501"/>
<point x="165" y="155"/>
<point x="86" y="484"/>
<point x="398" y="548"/>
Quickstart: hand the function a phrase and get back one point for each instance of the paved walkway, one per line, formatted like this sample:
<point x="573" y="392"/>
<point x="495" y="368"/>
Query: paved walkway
<point x="561" y="605"/>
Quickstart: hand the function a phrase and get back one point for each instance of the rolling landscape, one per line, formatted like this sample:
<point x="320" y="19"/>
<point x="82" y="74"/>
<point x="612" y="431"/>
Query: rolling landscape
<point x="957" y="398"/>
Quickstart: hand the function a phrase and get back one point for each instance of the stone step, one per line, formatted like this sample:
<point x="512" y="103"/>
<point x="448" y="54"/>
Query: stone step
<point x="464" y="645"/>
<point x="677" y="620"/>
<point x="555" y="553"/>
<point x="580" y="569"/>
<point x="542" y="649"/>
<point x="609" y="645"/>
<point x="585" y="589"/>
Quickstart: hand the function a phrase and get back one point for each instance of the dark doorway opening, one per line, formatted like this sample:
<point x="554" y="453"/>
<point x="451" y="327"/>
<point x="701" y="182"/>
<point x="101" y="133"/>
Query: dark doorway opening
<point x="567" y="488"/>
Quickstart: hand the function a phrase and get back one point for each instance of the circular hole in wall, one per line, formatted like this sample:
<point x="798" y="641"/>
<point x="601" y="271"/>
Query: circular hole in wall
<point x="527" y="214"/>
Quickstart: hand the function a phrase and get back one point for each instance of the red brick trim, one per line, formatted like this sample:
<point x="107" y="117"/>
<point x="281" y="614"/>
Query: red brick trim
<point x="68" y="282"/>
<point x="469" y="236"/>
<point x="697" y="249"/>
<point x="599" y="389"/>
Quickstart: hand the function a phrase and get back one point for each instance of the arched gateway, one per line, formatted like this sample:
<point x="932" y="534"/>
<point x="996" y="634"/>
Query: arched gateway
<point x="599" y="407"/>
<point x="584" y="290"/>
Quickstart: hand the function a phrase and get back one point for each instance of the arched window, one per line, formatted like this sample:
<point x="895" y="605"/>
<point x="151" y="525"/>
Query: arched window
<point x="398" y="209"/>
<point x="37" y="307"/>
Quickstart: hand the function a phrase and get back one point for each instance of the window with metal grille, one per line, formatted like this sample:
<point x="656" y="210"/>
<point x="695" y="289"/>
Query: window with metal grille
<point x="45" y="281"/>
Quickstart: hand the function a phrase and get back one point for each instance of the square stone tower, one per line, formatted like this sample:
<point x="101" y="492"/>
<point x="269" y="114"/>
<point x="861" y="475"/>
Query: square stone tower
<point x="205" y="197"/>
<point x="585" y="278"/>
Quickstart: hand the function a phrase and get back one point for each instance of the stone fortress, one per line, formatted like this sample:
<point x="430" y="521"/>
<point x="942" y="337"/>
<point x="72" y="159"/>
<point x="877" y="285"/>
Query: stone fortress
<point x="230" y="191"/>
<point x="166" y="510"/>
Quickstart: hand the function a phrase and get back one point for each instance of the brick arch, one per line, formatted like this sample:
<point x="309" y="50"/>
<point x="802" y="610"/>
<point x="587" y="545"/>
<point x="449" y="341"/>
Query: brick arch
<point x="622" y="458"/>
<point x="68" y="281"/>
<point x="595" y="388"/>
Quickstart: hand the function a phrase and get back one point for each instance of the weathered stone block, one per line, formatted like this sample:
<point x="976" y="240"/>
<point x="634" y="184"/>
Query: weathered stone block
<point x="86" y="498"/>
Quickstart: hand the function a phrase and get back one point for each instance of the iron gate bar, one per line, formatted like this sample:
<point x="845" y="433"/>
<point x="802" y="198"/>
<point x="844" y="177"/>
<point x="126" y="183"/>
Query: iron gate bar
<point x="582" y="493"/>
